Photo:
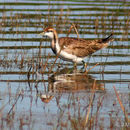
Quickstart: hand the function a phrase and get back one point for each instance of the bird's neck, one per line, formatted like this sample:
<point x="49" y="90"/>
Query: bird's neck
<point x="55" y="43"/>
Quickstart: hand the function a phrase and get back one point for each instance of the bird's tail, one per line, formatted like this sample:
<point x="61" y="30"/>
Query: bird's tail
<point x="108" y="39"/>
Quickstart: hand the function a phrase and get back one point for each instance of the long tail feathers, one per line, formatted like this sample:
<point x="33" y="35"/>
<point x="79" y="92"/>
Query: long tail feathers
<point x="108" y="39"/>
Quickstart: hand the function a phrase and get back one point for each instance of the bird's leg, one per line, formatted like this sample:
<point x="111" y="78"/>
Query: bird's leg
<point x="75" y="65"/>
<point x="84" y="65"/>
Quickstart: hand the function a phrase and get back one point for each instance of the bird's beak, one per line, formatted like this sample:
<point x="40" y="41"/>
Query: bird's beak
<point x="42" y="34"/>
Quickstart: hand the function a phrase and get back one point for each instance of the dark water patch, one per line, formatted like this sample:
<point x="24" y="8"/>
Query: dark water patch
<point x="20" y="39"/>
<point x="71" y="9"/>
<point x="88" y="3"/>
<point x="40" y="15"/>
<point x="38" y="32"/>
<point x="38" y="39"/>
<point x="46" y="46"/>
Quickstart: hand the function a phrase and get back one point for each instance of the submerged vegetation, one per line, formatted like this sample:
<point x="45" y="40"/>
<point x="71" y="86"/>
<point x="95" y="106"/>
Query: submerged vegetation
<point x="38" y="90"/>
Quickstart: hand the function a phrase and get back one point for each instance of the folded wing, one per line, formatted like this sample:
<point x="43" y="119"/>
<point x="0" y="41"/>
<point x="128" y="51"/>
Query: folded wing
<point x="82" y="47"/>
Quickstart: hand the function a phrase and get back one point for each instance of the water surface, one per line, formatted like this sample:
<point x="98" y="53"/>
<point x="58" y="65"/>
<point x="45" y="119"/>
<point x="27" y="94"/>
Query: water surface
<point x="31" y="98"/>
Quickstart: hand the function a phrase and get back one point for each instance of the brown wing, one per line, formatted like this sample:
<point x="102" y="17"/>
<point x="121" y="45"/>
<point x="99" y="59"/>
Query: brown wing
<point x="66" y="41"/>
<point x="80" y="47"/>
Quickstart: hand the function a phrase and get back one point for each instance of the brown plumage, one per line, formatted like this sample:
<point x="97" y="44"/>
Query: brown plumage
<point x="81" y="47"/>
<point x="74" y="49"/>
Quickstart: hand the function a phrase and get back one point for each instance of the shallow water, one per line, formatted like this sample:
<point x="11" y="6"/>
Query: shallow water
<point x="39" y="99"/>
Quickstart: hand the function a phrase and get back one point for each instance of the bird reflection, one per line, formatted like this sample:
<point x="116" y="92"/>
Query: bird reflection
<point x="65" y="81"/>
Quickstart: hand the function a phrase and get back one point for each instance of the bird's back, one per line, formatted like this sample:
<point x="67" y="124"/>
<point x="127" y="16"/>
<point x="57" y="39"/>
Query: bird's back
<point x="81" y="47"/>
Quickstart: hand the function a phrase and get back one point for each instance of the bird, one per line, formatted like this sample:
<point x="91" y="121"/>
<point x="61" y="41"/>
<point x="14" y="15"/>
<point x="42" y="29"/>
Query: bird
<point x="74" y="49"/>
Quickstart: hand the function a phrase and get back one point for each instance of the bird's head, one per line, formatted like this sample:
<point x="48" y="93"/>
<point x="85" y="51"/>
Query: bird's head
<point x="48" y="32"/>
